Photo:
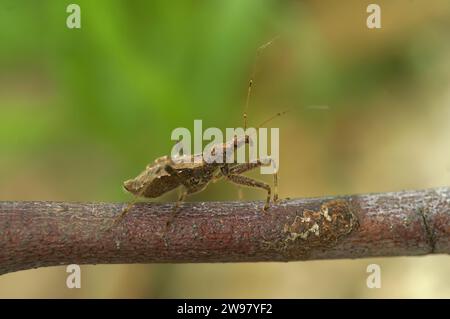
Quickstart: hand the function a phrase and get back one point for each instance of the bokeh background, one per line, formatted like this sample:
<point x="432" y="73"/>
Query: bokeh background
<point x="83" y="110"/>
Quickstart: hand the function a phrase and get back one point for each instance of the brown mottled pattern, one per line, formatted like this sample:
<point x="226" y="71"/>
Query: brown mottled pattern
<point x="319" y="229"/>
<point x="410" y="223"/>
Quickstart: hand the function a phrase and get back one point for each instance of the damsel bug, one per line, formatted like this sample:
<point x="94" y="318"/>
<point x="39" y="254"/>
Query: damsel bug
<point x="192" y="175"/>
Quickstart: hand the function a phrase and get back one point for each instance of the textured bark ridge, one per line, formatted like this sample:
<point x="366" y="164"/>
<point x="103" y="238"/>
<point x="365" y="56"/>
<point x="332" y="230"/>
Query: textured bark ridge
<point x="410" y="223"/>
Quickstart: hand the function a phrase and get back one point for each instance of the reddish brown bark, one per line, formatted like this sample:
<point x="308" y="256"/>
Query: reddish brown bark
<point x="37" y="234"/>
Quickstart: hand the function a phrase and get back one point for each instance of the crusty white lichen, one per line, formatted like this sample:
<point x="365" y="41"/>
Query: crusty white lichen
<point x="322" y="227"/>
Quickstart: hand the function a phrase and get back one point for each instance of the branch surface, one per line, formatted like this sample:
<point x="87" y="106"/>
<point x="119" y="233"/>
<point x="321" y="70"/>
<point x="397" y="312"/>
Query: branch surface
<point x="409" y="223"/>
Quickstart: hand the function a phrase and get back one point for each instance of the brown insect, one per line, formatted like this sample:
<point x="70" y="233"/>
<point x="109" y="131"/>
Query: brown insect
<point x="192" y="174"/>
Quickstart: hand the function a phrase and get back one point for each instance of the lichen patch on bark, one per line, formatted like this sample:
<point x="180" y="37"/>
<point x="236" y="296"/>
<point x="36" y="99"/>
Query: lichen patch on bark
<point x="320" y="228"/>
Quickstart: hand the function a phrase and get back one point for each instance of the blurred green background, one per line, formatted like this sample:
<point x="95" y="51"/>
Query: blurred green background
<point x="83" y="110"/>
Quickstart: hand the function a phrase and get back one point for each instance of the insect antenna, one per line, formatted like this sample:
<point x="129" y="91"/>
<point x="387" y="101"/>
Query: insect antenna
<point x="252" y="77"/>
<point x="272" y="117"/>
<point x="267" y="121"/>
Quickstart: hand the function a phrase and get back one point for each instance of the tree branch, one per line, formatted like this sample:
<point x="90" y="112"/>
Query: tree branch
<point x="410" y="223"/>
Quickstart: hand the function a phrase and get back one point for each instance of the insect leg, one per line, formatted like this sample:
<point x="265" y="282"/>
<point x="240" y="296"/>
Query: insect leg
<point x="126" y="210"/>
<point x="216" y="176"/>
<point x="275" y="187"/>
<point x="270" y="161"/>
<point x="247" y="181"/>
<point x="181" y="197"/>
<point x="242" y="168"/>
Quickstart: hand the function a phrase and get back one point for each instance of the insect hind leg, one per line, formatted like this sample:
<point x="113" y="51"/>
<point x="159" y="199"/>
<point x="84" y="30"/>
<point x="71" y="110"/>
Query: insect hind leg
<point x="126" y="210"/>
<point x="181" y="198"/>
<point x="270" y="161"/>
<point x="249" y="182"/>
<point x="242" y="168"/>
